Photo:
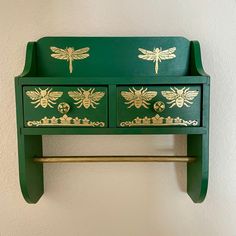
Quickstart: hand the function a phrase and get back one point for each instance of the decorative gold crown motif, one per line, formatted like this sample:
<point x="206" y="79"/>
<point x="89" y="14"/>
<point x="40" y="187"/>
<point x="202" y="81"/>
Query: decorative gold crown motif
<point x="159" y="121"/>
<point x="65" y="121"/>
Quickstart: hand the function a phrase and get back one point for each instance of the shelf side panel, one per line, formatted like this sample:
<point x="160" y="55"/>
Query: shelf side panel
<point x="197" y="172"/>
<point x="31" y="173"/>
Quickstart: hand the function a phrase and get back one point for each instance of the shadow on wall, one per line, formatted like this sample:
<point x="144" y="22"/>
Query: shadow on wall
<point x="111" y="145"/>
<point x="181" y="168"/>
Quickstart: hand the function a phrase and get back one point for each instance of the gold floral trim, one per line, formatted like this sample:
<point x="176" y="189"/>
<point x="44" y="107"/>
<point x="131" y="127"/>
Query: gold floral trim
<point x="159" y="121"/>
<point x="65" y="121"/>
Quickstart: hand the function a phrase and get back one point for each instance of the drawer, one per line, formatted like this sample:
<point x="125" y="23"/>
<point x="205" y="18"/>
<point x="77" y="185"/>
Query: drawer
<point x="71" y="106"/>
<point x="140" y="106"/>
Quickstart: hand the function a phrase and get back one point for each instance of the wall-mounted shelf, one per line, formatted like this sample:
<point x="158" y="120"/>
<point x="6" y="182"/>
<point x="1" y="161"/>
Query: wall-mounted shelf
<point x="112" y="85"/>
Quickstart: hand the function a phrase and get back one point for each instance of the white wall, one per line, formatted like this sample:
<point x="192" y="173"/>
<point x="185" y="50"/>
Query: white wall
<point x="121" y="199"/>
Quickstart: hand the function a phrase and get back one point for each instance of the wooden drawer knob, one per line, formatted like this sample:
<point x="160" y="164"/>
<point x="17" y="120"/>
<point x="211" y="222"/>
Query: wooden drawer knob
<point x="159" y="106"/>
<point x="63" y="107"/>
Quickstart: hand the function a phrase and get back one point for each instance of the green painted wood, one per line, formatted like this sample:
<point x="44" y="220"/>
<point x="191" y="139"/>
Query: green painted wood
<point x="196" y="67"/>
<point x="197" y="172"/>
<point x="30" y="67"/>
<point x="97" y="114"/>
<point x="113" y="65"/>
<point x="123" y="131"/>
<point x="30" y="173"/>
<point x="147" y="80"/>
<point x="127" y="113"/>
<point x="112" y="106"/>
<point x="109" y="56"/>
<point x="198" y="145"/>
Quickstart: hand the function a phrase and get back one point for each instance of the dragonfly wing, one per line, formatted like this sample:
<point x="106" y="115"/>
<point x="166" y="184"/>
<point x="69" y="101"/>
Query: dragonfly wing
<point x="80" y="53"/>
<point x="144" y="51"/>
<point x="80" y="56"/>
<point x="167" y="54"/>
<point x="147" y="55"/>
<point x="59" y="53"/>
<point x="81" y="50"/>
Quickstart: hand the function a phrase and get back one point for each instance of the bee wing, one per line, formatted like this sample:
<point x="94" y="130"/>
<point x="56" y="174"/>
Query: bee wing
<point x="59" y="53"/>
<point x="127" y="95"/>
<point x="33" y="95"/>
<point x="190" y="95"/>
<point x="147" y="55"/>
<point x="76" y="95"/>
<point x="55" y="95"/>
<point x="96" y="96"/>
<point x="80" y="53"/>
<point x="149" y="95"/>
<point x="169" y="95"/>
<point x="167" y="54"/>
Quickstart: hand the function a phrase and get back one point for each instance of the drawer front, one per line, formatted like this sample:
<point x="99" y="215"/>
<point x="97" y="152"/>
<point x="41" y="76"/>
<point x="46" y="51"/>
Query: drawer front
<point x="140" y="106"/>
<point x="70" y="106"/>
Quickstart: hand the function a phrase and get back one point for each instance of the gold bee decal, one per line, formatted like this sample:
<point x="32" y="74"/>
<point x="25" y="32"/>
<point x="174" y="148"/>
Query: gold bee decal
<point x="138" y="98"/>
<point x="86" y="98"/>
<point x="69" y="54"/>
<point x="43" y="97"/>
<point x="180" y="97"/>
<point x="157" y="55"/>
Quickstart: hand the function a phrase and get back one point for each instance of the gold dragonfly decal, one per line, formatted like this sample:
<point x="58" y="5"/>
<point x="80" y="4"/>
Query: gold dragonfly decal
<point x="180" y="97"/>
<point x="44" y="97"/>
<point x="138" y="97"/>
<point x="86" y="98"/>
<point x="157" y="55"/>
<point x="70" y="54"/>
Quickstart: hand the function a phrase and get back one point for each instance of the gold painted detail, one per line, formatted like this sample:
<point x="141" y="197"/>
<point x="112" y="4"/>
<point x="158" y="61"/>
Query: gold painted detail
<point x="157" y="55"/>
<point x="65" y="121"/>
<point x="159" y="106"/>
<point x="63" y="107"/>
<point x="60" y="159"/>
<point x="44" y="97"/>
<point x="86" y="98"/>
<point x="159" y="121"/>
<point x="70" y="54"/>
<point x="138" y="97"/>
<point x="180" y="97"/>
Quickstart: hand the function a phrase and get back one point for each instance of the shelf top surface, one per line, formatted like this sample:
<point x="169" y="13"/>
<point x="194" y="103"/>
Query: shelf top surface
<point x="114" y="80"/>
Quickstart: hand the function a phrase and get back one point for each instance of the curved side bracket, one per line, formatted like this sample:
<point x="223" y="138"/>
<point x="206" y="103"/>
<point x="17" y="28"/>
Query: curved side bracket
<point x="30" y="61"/>
<point x="196" y="67"/>
<point x="198" y="146"/>
<point x="197" y="172"/>
<point x="29" y="146"/>
<point x="31" y="173"/>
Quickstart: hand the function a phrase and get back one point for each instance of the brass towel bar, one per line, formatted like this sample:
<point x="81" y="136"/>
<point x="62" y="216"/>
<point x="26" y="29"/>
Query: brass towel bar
<point x="61" y="159"/>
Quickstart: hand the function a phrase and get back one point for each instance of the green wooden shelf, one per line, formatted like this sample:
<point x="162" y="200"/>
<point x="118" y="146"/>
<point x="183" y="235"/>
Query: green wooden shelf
<point x="149" y="130"/>
<point x="115" y="80"/>
<point x="112" y="85"/>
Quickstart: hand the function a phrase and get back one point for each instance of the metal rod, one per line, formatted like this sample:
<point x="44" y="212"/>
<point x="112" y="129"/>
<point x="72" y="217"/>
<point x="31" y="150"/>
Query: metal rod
<point x="61" y="159"/>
